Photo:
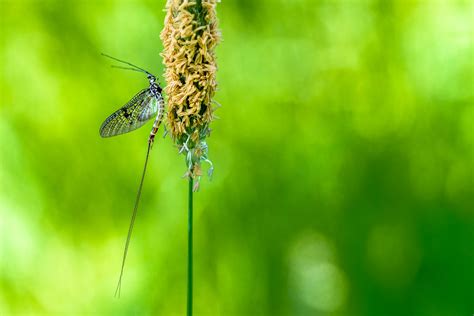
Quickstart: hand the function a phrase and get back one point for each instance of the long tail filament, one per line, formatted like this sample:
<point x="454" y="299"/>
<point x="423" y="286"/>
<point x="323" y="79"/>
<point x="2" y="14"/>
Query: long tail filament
<point x="132" y="222"/>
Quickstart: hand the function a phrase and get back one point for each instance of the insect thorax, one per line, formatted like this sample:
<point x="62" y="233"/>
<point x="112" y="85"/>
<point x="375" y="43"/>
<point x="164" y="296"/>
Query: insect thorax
<point x="154" y="87"/>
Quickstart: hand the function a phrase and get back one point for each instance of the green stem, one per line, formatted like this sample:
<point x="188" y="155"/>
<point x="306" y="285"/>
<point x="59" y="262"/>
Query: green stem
<point x="190" y="248"/>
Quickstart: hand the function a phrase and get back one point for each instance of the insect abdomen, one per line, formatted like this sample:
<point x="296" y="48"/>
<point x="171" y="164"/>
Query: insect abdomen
<point x="159" y="117"/>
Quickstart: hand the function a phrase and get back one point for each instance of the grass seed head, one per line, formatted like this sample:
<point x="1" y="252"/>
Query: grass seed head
<point x="190" y="36"/>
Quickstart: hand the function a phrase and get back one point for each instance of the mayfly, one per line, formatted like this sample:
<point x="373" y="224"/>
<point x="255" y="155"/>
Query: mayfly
<point x="131" y="116"/>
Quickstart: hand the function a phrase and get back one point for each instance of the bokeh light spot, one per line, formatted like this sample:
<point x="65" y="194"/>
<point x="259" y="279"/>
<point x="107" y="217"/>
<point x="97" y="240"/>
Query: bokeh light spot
<point x="316" y="280"/>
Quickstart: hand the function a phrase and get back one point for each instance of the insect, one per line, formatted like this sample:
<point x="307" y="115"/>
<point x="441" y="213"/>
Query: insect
<point x="134" y="114"/>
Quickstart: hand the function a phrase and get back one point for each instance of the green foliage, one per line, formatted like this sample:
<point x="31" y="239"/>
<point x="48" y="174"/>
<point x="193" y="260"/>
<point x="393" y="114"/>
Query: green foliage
<point x="343" y="161"/>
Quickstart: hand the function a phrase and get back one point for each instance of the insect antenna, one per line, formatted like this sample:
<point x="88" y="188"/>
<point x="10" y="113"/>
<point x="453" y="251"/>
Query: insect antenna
<point x="126" y="62"/>
<point x="126" y="68"/>
<point x="132" y="222"/>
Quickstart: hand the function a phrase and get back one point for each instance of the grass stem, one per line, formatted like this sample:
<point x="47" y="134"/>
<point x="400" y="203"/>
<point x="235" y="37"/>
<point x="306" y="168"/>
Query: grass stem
<point x="190" y="248"/>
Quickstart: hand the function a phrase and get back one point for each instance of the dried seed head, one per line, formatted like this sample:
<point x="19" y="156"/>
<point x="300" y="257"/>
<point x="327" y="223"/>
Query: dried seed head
<point x="189" y="36"/>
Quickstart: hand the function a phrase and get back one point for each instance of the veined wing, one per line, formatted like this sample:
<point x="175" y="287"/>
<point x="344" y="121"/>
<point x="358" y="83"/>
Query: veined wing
<point x="132" y="115"/>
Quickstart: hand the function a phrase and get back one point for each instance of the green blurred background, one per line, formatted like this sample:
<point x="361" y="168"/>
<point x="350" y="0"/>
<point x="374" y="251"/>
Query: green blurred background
<point x="343" y="157"/>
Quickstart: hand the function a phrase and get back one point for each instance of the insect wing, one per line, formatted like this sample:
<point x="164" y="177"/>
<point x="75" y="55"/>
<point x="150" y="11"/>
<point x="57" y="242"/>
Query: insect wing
<point x="131" y="116"/>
